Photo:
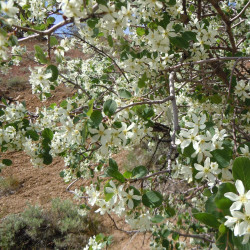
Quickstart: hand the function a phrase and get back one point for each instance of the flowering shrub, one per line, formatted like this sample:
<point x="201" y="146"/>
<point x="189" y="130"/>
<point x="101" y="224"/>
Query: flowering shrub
<point x="172" y="75"/>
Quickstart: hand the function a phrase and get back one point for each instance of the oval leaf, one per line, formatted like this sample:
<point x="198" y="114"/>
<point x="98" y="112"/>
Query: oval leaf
<point x="54" y="71"/>
<point x="241" y="171"/>
<point x="109" y="107"/>
<point x="7" y="162"/>
<point x="207" y="219"/>
<point x="152" y="199"/>
<point x="96" y="117"/>
<point x="124" y="94"/>
<point x="139" y="172"/>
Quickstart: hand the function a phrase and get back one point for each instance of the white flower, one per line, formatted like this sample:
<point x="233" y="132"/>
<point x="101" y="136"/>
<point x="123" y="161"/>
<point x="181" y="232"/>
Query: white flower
<point x="205" y="171"/>
<point x="93" y="195"/>
<point x="241" y="199"/>
<point x="234" y="222"/>
<point x="242" y="220"/>
<point x="245" y="151"/>
<point x="8" y="8"/>
<point x="102" y="133"/>
<point x="241" y="90"/>
<point x="114" y="190"/>
<point x="130" y="196"/>
<point x="103" y="207"/>
<point x="198" y="122"/>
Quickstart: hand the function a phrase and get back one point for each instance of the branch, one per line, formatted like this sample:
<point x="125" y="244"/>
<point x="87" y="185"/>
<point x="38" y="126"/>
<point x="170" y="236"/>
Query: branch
<point x="175" y="108"/>
<point x="45" y="32"/>
<point x="242" y="11"/>
<point x="226" y="21"/>
<point x="71" y="184"/>
<point x="145" y="102"/>
<point x="210" y="60"/>
<point x="125" y="231"/>
<point x="101" y="52"/>
<point x="201" y="237"/>
<point x="53" y="28"/>
<point x="148" y="176"/>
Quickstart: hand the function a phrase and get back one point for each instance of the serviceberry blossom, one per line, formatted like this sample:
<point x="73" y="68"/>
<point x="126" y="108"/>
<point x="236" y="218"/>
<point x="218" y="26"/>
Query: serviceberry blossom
<point x="210" y="170"/>
<point x="240" y="199"/>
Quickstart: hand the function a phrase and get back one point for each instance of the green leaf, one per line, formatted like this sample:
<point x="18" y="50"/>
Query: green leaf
<point x="90" y="104"/>
<point x="189" y="35"/>
<point x="32" y="134"/>
<point x="241" y="171"/>
<point x="7" y="162"/>
<point x="220" y="200"/>
<point x="207" y="219"/>
<point x="110" y="41"/>
<point x="188" y="151"/>
<point x="62" y="174"/>
<point x="216" y="99"/>
<point x="50" y="20"/>
<point x="222" y="156"/>
<point x="47" y="134"/>
<point x="139" y="172"/>
<point x="175" y="236"/>
<point x="40" y="54"/>
<point x="124" y="93"/>
<point x="109" y="107"/>
<point x="47" y="158"/>
<point x="142" y="81"/>
<point x="223" y="229"/>
<point x="113" y="164"/>
<point x="152" y="199"/>
<point x="207" y="192"/>
<point x="171" y="2"/>
<point x="170" y="211"/>
<point x="111" y="172"/>
<point x="210" y="207"/>
<point x="238" y="243"/>
<point x="224" y="241"/>
<point x="13" y="39"/>
<point x="140" y="31"/>
<point x="92" y="22"/>
<point x="64" y="104"/>
<point x="157" y="218"/>
<point x="179" y="42"/>
<point x="54" y="71"/>
<point x="84" y="133"/>
<point x="96" y="117"/>
<point x="53" y="41"/>
<point x="127" y="174"/>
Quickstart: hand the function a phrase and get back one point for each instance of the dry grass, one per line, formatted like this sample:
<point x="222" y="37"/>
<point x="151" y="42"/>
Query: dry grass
<point x="17" y="83"/>
<point x="9" y="185"/>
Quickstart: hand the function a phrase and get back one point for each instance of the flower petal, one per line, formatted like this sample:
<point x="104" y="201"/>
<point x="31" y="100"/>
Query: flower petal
<point x="247" y="208"/>
<point x="232" y="196"/>
<point x="130" y="204"/>
<point x="136" y="197"/>
<point x="248" y="194"/>
<point x="198" y="167"/>
<point x="236" y="206"/>
<point x="240" y="187"/>
<point x="199" y="175"/>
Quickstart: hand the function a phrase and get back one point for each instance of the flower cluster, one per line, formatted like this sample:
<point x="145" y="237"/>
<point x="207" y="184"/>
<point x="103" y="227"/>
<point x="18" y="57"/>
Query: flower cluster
<point x="239" y="222"/>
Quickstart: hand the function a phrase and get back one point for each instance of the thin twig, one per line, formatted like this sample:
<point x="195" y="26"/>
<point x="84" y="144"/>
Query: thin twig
<point x="145" y="102"/>
<point x="201" y="237"/>
<point x="242" y="11"/>
<point x="125" y="231"/>
<point x="210" y="60"/>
